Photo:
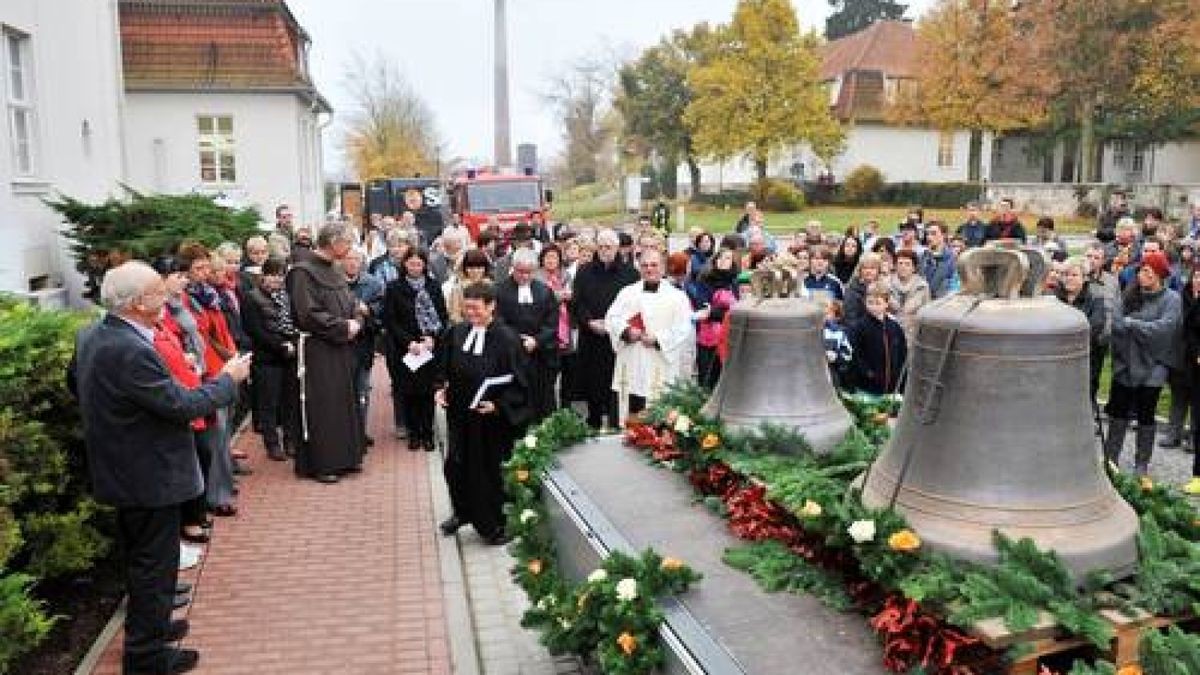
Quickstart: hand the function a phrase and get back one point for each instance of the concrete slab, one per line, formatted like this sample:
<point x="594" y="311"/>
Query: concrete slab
<point x="765" y="633"/>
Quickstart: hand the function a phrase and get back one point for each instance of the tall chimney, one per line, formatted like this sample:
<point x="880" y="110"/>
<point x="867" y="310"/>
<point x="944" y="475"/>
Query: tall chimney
<point x="503" y="132"/>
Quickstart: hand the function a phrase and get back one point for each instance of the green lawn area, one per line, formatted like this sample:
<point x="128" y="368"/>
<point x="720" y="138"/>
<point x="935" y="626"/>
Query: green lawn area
<point x="833" y="218"/>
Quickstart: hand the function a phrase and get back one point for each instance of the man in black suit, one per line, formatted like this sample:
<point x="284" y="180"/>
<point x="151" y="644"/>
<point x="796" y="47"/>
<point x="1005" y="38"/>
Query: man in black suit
<point x="530" y="308"/>
<point x="140" y="453"/>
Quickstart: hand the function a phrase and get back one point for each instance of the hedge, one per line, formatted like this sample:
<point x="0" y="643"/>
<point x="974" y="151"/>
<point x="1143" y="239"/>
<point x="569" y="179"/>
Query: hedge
<point x="49" y="527"/>
<point x="928" y="195"/>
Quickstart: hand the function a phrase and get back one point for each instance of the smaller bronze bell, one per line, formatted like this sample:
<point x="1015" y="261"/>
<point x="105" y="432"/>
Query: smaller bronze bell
<point x="777" y="372"/>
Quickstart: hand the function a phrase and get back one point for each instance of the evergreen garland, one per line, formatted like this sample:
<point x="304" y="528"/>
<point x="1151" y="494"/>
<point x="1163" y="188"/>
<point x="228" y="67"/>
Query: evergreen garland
<point x="816" y="491"/>
<point x="776" y="568"/>
<point x="613" y="616"/>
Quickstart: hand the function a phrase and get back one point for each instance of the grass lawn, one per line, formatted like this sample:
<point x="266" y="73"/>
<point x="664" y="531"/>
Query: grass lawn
<point x="834" y="218"/>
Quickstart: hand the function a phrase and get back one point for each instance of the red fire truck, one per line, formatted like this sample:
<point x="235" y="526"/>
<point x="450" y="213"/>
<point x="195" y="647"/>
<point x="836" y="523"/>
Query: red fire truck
<point x="479" y="194"/>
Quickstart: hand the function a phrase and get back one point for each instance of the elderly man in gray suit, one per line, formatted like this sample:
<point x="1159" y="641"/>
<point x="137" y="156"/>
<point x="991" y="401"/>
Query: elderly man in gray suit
<point x="136" y="422"/>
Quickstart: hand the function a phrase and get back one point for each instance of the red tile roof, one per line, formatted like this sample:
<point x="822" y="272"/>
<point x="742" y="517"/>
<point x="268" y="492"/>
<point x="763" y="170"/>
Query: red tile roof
<point x="206" y="45"/>
<point x="886" y="46"/>
<point x="862" y="63"/>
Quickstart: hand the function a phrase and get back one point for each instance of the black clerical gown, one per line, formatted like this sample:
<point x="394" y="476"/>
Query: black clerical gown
<point x="479" y="444"/>
<point x="322" y="306"/>
<point x="537" y="318"/>
<point x="596" y="286"/>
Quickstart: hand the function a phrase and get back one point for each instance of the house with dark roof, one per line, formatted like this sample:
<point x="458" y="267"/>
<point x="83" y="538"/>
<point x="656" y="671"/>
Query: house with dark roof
<point x="866" y="71"/>
<point x="219" y="100"/>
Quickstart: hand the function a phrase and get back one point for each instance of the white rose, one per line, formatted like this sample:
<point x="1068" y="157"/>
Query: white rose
<point x="527" y="516"/>
<point x="627" y="589"/>
<point x="597" y="576"/>
<point x="862" y="531"/>
<point x="683" y="424"/>
<point x="546" y="603"/>
<point x="810" y="509"/>
<point x="531" y="441"/>
<point x="566" y="625"/>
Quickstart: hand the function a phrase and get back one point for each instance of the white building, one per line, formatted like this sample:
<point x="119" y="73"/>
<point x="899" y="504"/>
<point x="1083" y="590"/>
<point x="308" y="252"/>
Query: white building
<point x="60" y="85"/>
<point x="167" y="96"/>
<point x="219" y="101"/>
<point x="864" y="71"/>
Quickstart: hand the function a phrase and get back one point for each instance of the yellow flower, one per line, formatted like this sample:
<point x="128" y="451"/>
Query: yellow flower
<point x="522" y="475"/>
<point x="880" y="418"/>
<point x="1130" y="670"/>
<point x="710" y="441"/>
<point x="904" y="541"/>
<point x="627" y="642"/>
<point x="810" y="509"/>
<point x="672" y="564"/>
<point x="1146" y="483"/>
<point x="534" y="567"/>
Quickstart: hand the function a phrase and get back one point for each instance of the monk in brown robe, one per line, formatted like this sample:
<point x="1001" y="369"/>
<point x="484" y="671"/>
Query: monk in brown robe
<point x="327" y="314"/>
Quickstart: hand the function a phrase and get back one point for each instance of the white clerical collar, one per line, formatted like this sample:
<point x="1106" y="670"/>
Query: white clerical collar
<point x="475" y="340"/>
<point x="524" y="295"/>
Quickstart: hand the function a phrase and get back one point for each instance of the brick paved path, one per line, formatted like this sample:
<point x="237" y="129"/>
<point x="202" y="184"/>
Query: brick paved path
<point x="312" y="578"/>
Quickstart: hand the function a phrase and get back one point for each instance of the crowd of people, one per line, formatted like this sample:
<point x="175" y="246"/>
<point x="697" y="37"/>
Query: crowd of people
<point x="504" y="328"/>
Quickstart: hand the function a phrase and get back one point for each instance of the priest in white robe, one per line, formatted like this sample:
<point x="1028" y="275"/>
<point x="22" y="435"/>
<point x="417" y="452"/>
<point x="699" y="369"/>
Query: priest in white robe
<point x="650" y="325"/>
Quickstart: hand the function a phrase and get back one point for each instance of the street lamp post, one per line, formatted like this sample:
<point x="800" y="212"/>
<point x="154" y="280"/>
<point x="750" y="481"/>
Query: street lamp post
<point x="503" y="151"/>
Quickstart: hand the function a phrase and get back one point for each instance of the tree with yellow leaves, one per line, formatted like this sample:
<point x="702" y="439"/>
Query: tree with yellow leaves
<point x="761" y="92"/>
<point x="972" y="72"/>
<point x="390" y="131"/>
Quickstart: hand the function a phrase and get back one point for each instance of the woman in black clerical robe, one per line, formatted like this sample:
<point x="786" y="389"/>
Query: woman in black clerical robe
<point x="481" y="435"/>
<point x="414" y="313"/>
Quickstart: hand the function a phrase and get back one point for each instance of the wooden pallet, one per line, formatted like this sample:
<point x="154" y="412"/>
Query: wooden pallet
<point x="1046" y="638"/>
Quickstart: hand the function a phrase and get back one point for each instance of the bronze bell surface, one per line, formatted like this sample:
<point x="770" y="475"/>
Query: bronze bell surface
<point x="777" y="372"/>
<point x="996" y="429"/>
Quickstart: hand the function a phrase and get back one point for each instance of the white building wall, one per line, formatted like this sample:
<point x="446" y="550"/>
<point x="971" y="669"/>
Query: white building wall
<point x="903" y="154"/>
<point x="76" y="98"/>
<point x="1170" y="164"/>
<point x="276" y="139"/>
<point x="1177" y="163"/>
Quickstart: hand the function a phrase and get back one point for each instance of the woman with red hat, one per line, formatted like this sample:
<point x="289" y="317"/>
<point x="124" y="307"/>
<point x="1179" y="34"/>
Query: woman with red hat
<point x="1144" y="335"/>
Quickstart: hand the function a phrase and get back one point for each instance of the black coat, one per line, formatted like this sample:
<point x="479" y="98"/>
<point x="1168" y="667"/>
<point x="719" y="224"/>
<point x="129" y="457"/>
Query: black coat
<point x="595" y="288"/>
<point x="1093" y="308"/>
<point x="880" y="351"/>
<point x="1190" y="327"/>
<point x="996" y="230"/>
<point x="137" y="419"/>
<point x="538" y="320"/>
<point x="259" y="313"/>
<point x="400" y="324"/>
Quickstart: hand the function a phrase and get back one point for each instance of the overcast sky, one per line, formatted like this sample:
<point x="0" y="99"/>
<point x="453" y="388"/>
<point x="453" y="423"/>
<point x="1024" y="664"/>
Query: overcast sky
<point x="444" y="48"/>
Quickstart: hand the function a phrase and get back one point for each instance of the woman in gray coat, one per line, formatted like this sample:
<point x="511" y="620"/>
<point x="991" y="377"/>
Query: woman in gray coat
<point x="1144" y="336"/>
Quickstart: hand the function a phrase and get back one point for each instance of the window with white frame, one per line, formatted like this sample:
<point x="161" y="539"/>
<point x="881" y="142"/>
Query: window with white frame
<point x="18" y="94"/>
<point x="945" y="156"/>
<point x="216" y="144"/>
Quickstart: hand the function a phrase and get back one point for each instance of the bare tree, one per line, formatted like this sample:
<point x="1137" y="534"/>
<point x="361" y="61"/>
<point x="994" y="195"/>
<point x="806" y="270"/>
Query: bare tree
<point x="390" y="131"/>
<point x="582" y="97"/>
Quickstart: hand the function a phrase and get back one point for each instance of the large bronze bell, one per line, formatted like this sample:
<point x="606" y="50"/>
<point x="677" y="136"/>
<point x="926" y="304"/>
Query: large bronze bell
<point x="777" y="372"/>
<point x="996" y="430"/>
